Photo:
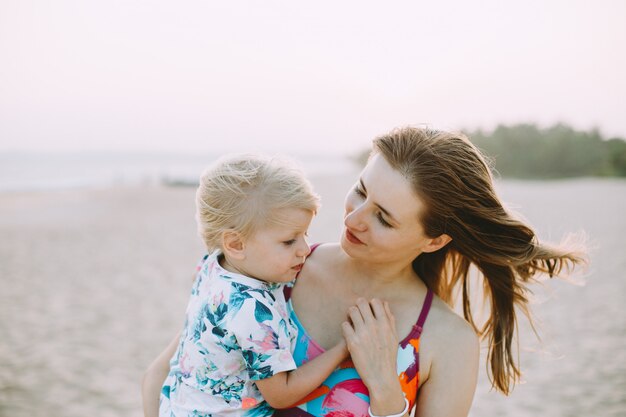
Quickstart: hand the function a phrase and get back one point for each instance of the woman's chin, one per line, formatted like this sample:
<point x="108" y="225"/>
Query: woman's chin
<point x="343" y="242"/>
<point x="348" y="247"/>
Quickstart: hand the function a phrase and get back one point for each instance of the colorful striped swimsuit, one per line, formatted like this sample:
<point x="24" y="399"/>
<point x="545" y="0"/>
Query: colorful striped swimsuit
<point x="343" y="393"/>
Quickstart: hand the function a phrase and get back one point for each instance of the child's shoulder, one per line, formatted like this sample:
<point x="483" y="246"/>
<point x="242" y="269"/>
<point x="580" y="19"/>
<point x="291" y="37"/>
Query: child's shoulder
<point x="207" y="278"/>
<point x="205" y="261"/>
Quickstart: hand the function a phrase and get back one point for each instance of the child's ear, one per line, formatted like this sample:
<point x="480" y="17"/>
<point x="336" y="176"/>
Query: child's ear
<point x="437" y="243"/>
<point x="233" y="244"/>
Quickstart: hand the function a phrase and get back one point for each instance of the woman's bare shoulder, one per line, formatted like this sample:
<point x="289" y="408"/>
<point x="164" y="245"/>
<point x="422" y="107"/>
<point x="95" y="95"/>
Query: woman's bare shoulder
<point x="449" y="332"/>
<point x="325" y="249"/>
<point x="321" y="260"/>
<point x="451" y="351"/>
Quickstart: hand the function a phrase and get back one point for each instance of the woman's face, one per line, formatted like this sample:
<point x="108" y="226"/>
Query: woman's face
<point x="382" y="216"/>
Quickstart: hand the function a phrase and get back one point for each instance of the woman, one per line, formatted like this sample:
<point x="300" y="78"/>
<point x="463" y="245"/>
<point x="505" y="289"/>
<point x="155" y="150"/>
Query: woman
<point x="421" y="214"/>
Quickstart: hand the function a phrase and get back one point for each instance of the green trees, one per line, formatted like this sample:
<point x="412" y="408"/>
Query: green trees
<point x="559" y="151"/>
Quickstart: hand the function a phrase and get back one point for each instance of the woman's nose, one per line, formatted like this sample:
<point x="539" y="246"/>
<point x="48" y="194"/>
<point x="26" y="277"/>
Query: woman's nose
<point x="354" y="219"/>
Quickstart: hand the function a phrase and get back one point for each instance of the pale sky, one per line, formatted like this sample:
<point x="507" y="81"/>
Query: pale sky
<point x="319" y="76"/>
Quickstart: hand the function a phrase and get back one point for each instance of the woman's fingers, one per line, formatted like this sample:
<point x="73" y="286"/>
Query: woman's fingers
<point x="355" y="317"/>
<point x="375" y="315"/>
<point x="371" y="340"/>
<point x="390" y="317"/>
<point x="365" y="310"/>
<point x="378" y="309"/>
<point x="348" y="331"/>
<point x="383" y="315"/>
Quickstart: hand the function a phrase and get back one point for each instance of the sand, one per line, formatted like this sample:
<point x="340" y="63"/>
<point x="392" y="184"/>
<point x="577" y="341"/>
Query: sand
<point x="94" y="283"/>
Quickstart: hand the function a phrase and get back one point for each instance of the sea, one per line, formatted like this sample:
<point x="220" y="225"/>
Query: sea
<point x="30" y="171"/>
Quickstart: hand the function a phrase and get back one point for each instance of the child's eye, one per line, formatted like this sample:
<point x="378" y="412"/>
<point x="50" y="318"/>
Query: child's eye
<point x="382" y="221"/>
<point x="289" y="242"/>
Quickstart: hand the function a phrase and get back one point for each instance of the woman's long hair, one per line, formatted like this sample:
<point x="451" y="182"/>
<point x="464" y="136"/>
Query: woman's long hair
<point x="453" y="179"/>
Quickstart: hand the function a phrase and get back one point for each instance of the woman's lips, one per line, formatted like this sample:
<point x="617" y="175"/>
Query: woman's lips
<point x="352" y="239"/>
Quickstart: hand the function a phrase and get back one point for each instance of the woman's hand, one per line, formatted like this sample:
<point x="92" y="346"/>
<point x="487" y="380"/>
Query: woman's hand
<point x="371" y="339"/>
<point x="373" y="344"/>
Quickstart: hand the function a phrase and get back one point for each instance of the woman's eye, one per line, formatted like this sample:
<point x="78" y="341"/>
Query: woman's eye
<point x="358" y="191"/>
<point x="382" y="220"/>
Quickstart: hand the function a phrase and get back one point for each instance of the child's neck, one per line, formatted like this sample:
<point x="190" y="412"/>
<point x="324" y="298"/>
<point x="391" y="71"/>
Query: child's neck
<point x="229" y="265"/>
<point x="233" y="266"/>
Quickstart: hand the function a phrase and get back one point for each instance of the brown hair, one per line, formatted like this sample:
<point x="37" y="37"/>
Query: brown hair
<point x="453" y="179"/>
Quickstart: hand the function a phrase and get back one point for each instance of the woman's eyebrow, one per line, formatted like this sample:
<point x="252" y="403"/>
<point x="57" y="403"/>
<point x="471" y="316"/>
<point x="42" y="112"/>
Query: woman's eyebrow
<point x="378" y="205"/>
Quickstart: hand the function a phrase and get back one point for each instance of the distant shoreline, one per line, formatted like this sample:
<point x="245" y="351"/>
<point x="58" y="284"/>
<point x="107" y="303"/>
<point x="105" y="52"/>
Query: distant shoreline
<point x="528" y="152"/>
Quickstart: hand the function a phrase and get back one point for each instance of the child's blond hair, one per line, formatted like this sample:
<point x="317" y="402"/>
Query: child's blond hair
<point x="240" y="193"/>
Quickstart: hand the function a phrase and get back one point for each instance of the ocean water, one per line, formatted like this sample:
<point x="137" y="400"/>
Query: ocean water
<point x="44" y="171"/>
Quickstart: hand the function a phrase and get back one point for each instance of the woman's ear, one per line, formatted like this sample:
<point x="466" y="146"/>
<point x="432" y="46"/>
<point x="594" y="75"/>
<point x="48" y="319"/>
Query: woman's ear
<point x="437" y="243"/>
<point x="233" y="244"/>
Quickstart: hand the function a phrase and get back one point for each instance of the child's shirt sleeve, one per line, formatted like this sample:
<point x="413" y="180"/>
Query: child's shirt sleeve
<point x="264" y="338"/>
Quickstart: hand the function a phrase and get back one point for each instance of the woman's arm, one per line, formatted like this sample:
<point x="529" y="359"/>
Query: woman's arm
<point x="450" y="387"/>
<point x="153" y="379"/>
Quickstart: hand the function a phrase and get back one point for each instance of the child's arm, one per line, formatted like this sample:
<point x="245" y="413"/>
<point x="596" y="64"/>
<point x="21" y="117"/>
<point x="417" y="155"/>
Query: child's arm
<point x="285" y="388"/>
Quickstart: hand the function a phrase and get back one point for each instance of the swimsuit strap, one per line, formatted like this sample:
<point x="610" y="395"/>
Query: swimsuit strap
<point x="428" y="301"/>
<point x="416" y="331"/>
<point x="313" y="247"/>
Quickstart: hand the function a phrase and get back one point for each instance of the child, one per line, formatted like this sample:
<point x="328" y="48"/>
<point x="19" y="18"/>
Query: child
<point x="234" y="356"/>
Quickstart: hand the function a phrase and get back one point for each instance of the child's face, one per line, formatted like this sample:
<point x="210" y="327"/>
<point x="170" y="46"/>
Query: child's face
<point x="276" y="253"/>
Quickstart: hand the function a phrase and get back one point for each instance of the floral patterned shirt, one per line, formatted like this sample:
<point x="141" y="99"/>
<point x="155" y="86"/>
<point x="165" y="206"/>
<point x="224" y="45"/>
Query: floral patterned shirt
<point x="237" y="330"/>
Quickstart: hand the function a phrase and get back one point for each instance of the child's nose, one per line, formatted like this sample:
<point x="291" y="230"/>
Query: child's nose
<point x="304" y="249"/>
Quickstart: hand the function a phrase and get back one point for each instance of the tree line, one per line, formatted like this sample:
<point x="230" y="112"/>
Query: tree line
<point x="559" y="151"/>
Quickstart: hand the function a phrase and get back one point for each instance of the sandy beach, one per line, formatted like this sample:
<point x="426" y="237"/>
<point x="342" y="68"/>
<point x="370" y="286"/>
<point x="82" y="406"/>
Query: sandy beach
<point x="94" y="283"/>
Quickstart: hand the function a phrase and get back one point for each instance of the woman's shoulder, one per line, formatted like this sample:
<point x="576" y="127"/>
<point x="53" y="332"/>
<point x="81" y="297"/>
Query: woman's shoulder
<point x="323" y="256"/>
<point x="449" y="357"/>
<point x="449" y="333"/>
<point x="325" y="249"/>
<point x="319" y="265"/>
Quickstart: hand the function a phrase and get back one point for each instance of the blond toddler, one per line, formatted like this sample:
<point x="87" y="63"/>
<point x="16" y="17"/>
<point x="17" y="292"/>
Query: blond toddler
<point x="234" y="357"/>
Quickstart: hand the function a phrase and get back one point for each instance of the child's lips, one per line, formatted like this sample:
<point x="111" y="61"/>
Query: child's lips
<point x="298" y="267"/>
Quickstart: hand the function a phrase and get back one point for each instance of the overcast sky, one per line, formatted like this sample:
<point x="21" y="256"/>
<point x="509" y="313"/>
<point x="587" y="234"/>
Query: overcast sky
<point x="320" y="76"/>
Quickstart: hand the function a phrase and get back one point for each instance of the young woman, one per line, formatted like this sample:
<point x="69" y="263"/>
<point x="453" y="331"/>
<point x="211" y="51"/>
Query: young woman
<point x="422" y="212"/>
